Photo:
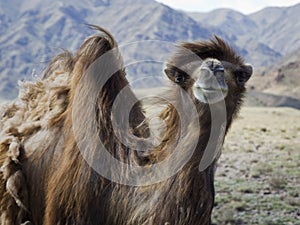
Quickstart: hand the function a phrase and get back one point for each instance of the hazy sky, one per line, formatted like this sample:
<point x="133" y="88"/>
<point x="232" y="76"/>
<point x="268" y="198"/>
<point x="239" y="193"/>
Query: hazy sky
<point x="244" y="6"/>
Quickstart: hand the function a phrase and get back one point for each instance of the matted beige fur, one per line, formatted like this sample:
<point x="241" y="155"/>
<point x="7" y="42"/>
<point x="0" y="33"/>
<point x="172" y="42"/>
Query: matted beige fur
<point x="39" y="106"/>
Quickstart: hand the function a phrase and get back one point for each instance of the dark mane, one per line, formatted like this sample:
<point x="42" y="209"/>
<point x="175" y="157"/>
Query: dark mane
<point x="215" y="48"/>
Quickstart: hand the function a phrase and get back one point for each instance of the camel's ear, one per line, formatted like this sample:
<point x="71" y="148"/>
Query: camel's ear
<point x="244" y="74"/>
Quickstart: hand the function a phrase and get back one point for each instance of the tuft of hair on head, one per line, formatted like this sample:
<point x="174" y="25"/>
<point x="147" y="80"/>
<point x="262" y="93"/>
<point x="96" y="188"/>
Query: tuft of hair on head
<point x="215" y="48"/>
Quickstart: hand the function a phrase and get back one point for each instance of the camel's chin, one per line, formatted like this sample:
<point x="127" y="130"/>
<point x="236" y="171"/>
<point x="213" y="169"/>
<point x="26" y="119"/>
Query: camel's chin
<point x="209" y="96"/>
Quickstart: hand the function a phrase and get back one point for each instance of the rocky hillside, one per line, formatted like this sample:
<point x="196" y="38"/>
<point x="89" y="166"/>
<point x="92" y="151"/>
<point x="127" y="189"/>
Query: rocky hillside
<point x="282" y="78"/>
<point x="278" y="84"/>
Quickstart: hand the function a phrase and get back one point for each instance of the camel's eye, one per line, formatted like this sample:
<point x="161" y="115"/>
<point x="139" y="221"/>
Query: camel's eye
<point x="242" y="77"/>
<point x="244" y="74"/>
<point x="176" y="75"/>
<point x="179" y="78"/>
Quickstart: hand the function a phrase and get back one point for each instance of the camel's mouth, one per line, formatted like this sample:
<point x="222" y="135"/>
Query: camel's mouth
<point x="209" y="95"/>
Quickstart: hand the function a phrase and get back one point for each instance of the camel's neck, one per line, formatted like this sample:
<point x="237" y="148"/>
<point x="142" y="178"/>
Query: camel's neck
<point x="195" y="128"/>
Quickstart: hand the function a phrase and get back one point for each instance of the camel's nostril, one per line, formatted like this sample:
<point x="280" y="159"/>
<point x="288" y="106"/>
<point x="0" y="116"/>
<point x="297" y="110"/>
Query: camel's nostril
<point x="218" y="68"/>
<point x="219" y="72"/>
<point x="214" y="66"/>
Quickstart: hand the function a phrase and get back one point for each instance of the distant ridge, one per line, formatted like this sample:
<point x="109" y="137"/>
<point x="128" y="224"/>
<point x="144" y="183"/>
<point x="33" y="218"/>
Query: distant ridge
<point x="270" y="100"/>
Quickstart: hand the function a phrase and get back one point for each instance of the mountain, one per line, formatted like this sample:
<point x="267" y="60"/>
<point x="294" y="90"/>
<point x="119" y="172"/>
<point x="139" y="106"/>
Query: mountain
<point x="228" y="20"/>
<point x="279" y="27"/>
<point x="278" y="84"/>
<point x="36" y="30"/>
<point x="281" y="78"/>
<point x="33" y="31"/>
<point x="266" y="35"/>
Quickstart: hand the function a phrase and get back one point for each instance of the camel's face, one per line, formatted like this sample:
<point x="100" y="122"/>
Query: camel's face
<point x="210" y="83"/>
<point x="209" y="71"/>
<point x="214" y="79"/>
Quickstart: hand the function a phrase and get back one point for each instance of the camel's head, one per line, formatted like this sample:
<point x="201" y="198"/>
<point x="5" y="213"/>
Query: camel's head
<point x="211" y="71"/>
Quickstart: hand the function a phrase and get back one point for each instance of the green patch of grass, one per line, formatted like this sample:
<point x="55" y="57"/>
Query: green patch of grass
<point x="261" y="169"/>
<point x="240" y="206"/>
<point x="222" y="199"/>
<point x="247" y="189"/>
<point x="278" y="182"/>
<point x="280" y="147"/>
<point x="294" y="192"/>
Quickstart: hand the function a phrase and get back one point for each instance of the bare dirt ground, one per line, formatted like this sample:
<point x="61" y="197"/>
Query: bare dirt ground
<point x="258" y="177"/>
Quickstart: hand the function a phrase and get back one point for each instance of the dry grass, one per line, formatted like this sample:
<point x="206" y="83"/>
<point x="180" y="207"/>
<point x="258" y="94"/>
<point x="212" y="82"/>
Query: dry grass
<point x="258" y="179"/>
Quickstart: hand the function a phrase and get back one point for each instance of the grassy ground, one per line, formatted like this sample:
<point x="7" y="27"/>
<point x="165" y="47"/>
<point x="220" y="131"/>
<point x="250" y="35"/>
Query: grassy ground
<point x="258" y="178"/>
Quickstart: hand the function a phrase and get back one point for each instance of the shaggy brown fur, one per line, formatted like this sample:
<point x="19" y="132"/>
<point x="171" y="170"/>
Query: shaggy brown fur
<point x="46" y="180"/>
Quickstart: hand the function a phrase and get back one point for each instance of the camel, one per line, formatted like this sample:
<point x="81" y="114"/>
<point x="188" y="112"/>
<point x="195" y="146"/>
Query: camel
<point x="64" y="160"/>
